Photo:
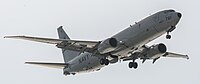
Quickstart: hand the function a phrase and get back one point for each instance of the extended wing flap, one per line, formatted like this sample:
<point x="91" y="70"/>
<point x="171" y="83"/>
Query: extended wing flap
<point x="50" y="65"/>
<point x="175" y="55"/>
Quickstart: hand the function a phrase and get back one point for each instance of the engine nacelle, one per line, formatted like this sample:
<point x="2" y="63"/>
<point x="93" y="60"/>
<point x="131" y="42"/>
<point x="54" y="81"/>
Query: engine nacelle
<point x="107" y="45"/>
<point x="155" y="50"/>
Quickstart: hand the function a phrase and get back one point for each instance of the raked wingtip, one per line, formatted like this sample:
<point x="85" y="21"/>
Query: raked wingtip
<point x="187" y="57"/>
<point x="7" y="36"/>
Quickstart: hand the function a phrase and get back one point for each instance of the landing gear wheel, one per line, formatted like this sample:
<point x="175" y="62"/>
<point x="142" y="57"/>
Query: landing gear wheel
<point x="133" y="65"/>
<point x="168" y="36"/>
<point x="106" y="62"/>
<point x="66" y="73"/>
<point x="102" y="61"/>
<point x="130" y="65"/>
<point x="73" y="73"/>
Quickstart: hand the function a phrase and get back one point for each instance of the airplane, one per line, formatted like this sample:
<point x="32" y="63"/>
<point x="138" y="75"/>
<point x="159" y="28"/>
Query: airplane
<point x="128" y="45"/>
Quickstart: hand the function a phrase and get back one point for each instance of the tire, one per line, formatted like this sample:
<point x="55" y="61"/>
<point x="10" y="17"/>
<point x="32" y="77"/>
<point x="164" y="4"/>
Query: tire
<point x="130" y="65"/>
<point x="168" y="36"/>
<point x="102" y="61"/>
<point x="106" y="61"/>
<point x="135" y="65"/>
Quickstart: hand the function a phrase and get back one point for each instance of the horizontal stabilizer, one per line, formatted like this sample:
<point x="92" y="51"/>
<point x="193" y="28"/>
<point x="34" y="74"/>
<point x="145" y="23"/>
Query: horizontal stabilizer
<point x="50" y="65"/>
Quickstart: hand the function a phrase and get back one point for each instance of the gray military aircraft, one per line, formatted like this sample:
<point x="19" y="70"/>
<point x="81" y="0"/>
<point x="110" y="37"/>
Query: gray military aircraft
<point x="127" y="45"/>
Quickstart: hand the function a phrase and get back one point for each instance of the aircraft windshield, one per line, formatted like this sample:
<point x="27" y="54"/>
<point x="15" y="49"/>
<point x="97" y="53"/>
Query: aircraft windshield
<point x="167" y="11"/>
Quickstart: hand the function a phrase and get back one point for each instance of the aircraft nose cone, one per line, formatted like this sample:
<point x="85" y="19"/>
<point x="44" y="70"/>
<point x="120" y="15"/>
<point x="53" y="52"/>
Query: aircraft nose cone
<point x="179" y="15"/>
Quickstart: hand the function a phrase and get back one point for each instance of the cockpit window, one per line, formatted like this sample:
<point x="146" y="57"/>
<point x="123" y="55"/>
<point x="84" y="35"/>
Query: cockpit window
<point x="168" y="11"/>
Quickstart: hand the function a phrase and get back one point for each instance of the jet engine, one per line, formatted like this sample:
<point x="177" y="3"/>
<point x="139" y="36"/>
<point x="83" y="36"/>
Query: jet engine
<point x="155" y="50"/>
<point x="107" y="45"/>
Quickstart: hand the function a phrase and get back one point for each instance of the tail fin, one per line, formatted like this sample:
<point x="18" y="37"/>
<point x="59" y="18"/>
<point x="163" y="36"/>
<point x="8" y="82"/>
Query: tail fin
<point x="67" y="54"/>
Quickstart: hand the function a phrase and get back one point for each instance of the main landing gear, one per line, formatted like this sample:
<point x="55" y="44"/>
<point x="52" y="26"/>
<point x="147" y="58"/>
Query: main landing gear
<point x="104" y="61"/>
<point x="67" y="73"/>
<point x="133" y="64"/>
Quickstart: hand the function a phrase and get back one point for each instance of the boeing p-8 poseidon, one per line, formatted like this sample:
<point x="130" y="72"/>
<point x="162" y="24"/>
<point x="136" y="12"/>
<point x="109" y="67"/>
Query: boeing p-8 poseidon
<point x="127" y="45"/>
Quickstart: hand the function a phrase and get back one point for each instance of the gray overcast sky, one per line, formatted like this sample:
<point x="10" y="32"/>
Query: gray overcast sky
<point x="94" y="20"/>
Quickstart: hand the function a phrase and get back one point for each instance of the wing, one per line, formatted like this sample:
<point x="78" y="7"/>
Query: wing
<point x="37" y="39"/>
<point x="175" y="55"/>
<point x="75" y="45"/>
<point x="50" y="65"/>
<point x="145" y="52"/>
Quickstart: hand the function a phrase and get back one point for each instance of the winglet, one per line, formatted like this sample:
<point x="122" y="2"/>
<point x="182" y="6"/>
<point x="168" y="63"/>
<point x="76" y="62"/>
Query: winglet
<point x="9" y="36"/>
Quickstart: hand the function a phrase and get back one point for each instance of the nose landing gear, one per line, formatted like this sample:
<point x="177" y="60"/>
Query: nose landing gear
<point x="170" y="30"/>
<point x="168" y="36"/>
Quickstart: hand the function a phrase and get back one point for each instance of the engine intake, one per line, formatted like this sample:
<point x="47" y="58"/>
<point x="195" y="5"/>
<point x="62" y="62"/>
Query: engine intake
<point x="155" y="50"/>
<point x="113" y="42"/>
<point x="162" y="48"/>
<point x="159" y="48"/>
<point x="107" y="45"/>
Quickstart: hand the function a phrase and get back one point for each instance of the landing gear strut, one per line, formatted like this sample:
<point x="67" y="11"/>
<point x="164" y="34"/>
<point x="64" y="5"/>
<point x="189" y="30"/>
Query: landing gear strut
<point x="104" y="61"/>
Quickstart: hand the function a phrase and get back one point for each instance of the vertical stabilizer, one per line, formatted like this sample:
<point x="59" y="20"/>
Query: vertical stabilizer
<point x="67" y="54"/>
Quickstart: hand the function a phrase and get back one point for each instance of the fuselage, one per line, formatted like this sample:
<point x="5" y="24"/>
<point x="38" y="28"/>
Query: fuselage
<point x="130" y="39"/>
